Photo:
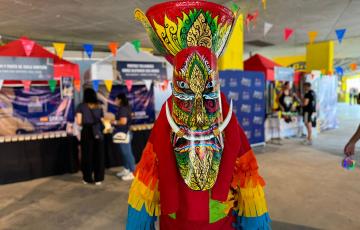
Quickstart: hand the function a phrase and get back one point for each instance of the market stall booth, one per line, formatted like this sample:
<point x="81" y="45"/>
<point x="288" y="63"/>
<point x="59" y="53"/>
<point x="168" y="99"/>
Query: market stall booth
<point x="279" y="124"/>
<point x="36" y="106"/>
<point x="143" y="77"/>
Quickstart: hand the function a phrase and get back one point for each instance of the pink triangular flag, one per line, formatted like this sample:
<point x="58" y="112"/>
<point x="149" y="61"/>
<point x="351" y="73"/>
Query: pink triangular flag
<point x="1" y="83"/>
<point x="28" y="46"/>
<point x="287" y="33"/>
<point x="129" y="84"/>
<point x="27" y="84"/>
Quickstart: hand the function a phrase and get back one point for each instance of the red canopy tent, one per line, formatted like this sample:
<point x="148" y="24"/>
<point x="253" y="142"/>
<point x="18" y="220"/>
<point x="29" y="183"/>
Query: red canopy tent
<point x="261" y="63"/>
<point x="62" y="68"/>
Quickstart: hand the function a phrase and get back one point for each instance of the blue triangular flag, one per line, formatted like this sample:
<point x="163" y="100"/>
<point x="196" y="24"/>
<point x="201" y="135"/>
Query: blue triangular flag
<point x="339" y="70"/>
<point x="89" y="48"/>
<point x="95" y="84"/>
<point x="340" y="33"/>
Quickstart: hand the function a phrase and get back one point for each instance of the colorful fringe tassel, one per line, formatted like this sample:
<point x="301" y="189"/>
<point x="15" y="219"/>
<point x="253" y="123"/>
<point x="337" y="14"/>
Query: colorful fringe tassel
<point x="140" y="220"/>
<point x="253" y="223"/>
<point x="144" y="194"/>
<point x="251" y="209"/>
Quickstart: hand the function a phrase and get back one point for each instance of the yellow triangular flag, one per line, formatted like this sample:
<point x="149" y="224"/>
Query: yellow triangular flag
<point x="264" y="4"/>
<point x="312" y="36"/>
<point x="59" y="48"/>
<point x="108" y="84"/>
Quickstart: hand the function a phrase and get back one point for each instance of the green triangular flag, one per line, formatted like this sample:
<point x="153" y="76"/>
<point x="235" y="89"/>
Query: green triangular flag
<point x="52" y="85"/>
<point x="137" y="45"/>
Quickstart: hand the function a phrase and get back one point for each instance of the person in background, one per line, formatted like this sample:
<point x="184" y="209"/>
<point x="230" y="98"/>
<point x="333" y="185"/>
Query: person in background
<point x="349" y="149"/>
<point x="309" y="110"/>
<point x="353" y="94"/>
<point x="89" y="115"/>
<point x="122" y="136"/>
<point x="286" y="99"/>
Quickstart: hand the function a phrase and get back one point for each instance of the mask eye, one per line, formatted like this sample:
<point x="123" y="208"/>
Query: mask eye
<point x="210" y="84"/>
<point x="182" y="85"/>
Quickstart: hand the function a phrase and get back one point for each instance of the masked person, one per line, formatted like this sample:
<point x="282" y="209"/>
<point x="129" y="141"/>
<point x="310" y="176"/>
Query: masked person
<point x="197" y="170"/>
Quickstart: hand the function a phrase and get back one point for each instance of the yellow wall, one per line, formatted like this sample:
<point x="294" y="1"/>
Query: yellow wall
<point x="320" y="56"/>
<point x="232" y="58"/>
<point x="291" y="61"/>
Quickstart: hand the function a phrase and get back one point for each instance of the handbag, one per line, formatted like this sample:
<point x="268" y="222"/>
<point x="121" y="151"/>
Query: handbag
<point x="121" y="138"/>
<point x="96" y="127"/>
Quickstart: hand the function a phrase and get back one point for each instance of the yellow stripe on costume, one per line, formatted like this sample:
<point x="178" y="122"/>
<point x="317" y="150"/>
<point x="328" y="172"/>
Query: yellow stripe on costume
<point x="251" y="201"/>
<point x="140" y="195"/>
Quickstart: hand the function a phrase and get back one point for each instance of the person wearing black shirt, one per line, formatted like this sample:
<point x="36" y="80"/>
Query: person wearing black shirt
<point x="309" y="109"/>
<point x="89" y="115"/>
<point x="122" y="136"/>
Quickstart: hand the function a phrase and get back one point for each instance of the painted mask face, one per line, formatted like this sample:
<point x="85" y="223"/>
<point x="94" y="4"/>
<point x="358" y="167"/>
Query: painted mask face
<point x="196" y="111"/>
<point x="192" y="34"/>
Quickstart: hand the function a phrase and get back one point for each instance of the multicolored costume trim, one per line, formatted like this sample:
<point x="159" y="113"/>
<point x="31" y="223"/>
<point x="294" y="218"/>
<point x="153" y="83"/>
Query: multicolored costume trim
<point x="249" y="200"/>
<point x="144" y="196"/>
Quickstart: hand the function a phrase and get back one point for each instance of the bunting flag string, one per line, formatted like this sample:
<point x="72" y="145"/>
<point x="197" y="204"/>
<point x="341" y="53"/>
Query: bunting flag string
<point x="353" y="66"/>
<point x="113" y="47"/>
<point x="27" y="85"/>
<point x="89" y="48"/>
<point x="263" y="4"/>
<point x="137" y="45"/>
<point x="148" y="84"/>
<point x="95" y="85"/>
<point x="340" y="33"/>
<point x="129" y="84"/>
<point x="108" y="85"/>
<point x="52" y="85"/>
<point x="77" y="85"/>
<point x="340" y="71"/>
<point x="28" y="46"/>
<point x="59" y="48"/>
<point x="312" y="36"/>
<point x="251" y="17"/>
<point x="267" y="28"/>
<point x="287" y="33"/>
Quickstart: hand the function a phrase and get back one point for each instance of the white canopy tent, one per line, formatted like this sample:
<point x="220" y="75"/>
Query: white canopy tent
<point x="104" y="69"/>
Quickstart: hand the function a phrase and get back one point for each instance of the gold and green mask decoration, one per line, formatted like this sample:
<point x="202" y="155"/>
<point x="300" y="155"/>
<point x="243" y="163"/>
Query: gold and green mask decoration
<point x="192" y="35"/>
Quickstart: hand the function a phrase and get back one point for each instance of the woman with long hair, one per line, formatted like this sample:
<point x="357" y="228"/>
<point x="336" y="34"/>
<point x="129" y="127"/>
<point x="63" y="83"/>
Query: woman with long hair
<point x="89" y="115"/>
<point x="122" y="136"/>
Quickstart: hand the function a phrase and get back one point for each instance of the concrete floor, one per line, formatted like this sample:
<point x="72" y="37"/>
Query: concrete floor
<point x="306" y="189"/>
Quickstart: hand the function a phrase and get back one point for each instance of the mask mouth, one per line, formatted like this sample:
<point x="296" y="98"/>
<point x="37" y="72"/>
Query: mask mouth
<point x="181" y="145"/>
<point x="202" y="135"/>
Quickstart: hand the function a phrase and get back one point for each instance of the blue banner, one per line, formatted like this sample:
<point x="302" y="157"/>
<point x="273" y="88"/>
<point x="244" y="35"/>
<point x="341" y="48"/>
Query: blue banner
<point x="35" y="111"/>
<point x="247" y="90"/>
<point x="141" y="101"/>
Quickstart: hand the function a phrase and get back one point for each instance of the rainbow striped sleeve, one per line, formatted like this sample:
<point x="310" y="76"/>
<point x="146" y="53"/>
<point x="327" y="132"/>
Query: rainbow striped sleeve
<point x="251" y="209"/>
<point x="144" y="197"/>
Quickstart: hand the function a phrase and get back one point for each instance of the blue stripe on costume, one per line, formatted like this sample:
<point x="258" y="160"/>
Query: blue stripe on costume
<point x="253" y="223"/>
<point x="140" y="220"/>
